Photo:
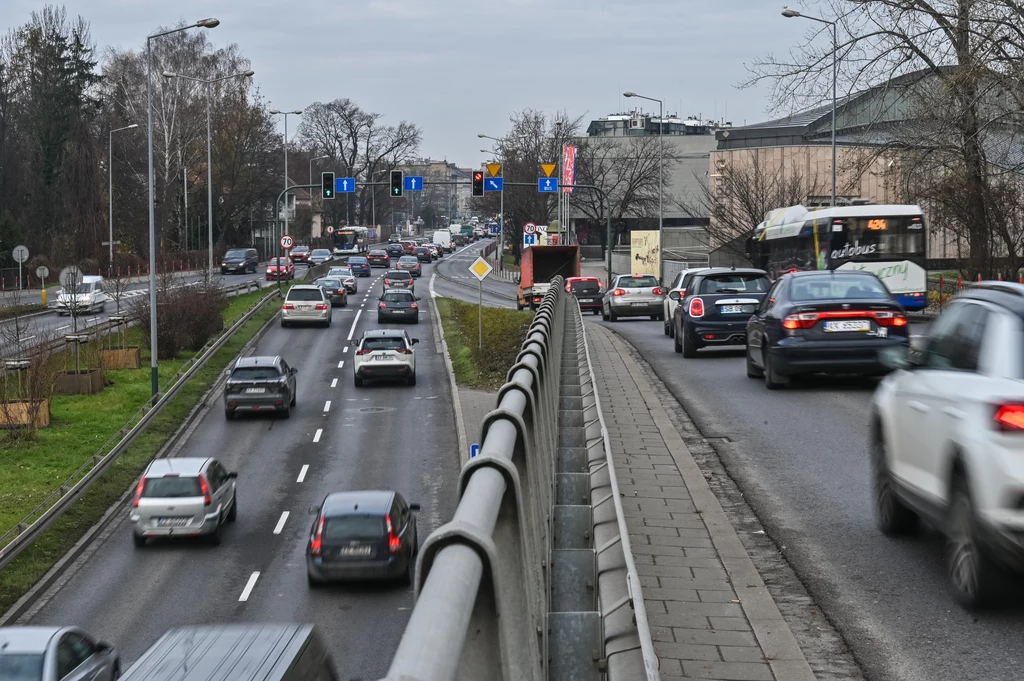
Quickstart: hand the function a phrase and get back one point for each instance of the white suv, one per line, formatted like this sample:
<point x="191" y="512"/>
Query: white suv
<point x="948" y="439"/>
<point x="385" y="353"/>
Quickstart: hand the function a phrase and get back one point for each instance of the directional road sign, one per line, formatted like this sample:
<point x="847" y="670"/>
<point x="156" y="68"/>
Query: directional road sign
<point x="495" y="230"/>
<point x="547" y="185"/>
<point x="529" y="240"/>
<point x="493" y="184"/>
<point x="494" y="169"/>
<point x="344" y="185"/>
<point x="529" y="228"/>
<point x="474" y="449"/>
<point x="413" y="183"/>
<point x="20" y="253"/>
<point x="480" y="268"/>
<point x="286" y="242"/>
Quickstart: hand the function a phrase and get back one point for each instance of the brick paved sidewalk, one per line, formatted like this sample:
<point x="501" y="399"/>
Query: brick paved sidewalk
<point x="710" y="613"/>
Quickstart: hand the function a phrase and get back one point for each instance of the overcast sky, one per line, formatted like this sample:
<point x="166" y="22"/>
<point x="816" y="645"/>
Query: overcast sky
<point x="460" y="67"/>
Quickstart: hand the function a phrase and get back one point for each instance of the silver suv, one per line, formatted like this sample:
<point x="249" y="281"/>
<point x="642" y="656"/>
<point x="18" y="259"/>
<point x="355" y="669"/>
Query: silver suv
<point x="306" y="304"/>
<point x="186" y="497"/>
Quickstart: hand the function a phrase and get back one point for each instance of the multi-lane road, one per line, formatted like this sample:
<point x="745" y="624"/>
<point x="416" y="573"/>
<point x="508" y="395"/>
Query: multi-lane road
<point x="339" y="438"/>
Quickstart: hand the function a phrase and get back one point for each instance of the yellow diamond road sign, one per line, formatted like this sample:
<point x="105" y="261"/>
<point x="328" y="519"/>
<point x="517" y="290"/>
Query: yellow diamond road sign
<point x="548" y="168"/>
<point x="480" y="268"/>
<point x="494" y="169"/>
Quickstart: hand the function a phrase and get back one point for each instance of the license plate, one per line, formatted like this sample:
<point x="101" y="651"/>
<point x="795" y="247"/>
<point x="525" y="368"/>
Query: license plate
<point x="172" y="522"/>
<point x="638" y="304"/>
<point x="586" y="300"/>
<point x="255" y="391"/>
<point x="397" y="311"/>
<point x="864" y="325"/>
<point x="732" y="309"/>
<point x="380" y="357"/>
<point x="305" y="308"/>
<point x="355" y="550"/>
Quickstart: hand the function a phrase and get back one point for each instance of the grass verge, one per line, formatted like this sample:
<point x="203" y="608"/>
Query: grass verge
<point x="509" y="262"/>
<point x="80" y="425"/>
<point x="504" y="332"/>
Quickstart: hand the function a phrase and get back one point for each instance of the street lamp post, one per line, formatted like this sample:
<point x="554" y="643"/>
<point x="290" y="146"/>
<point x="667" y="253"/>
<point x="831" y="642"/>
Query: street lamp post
<point x="154" y="365"/>
<point x="501" y="205"/>
<point x="296" y="112"/>
<point x="209" y="155"/>
<point x="318" y="158"/>
<point x="110" y="185"/>
<point x="792" y="13"/>
<point x="661" y="180"/>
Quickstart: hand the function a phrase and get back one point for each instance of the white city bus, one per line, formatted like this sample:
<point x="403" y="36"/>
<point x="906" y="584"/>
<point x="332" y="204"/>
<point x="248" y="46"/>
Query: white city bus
<point x="351" y="240"/>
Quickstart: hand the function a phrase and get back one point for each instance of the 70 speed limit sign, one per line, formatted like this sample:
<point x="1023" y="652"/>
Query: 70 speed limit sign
<point x="286" y="242"/>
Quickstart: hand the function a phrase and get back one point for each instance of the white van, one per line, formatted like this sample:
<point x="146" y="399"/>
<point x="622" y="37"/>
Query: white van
<point x="443" y="239"/>
<point x="89" y="296"/>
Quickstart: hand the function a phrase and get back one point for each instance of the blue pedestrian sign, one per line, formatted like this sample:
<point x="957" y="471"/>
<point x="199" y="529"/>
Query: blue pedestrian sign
<point x="493" y="184"/>
<point x="413" y="183"/>
<point x="529" y="240"/>
<point x="344" y="185"/>
<point x="547" y="184"/>
<point x="474" y="449"/>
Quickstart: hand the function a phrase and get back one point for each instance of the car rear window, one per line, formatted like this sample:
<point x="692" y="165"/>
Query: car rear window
<point x="354" y="527"/>
<point x="378" y="252"/>
<point x="838" y="286"/>
<point x="321" y="251"/>
<point x="21" y="667"/>
<point x="638" y="282"/>
<point x="585" y="287"/>
<point x="398" y="297"/>
<point x="278" y="261"/>
<point x="383" y="344"/>
<point x="329" y="283"/>
<point x="305" y="294"/>
<point x="399" y="275"/>
<point x="407" y="258"/>
<point x="163" y="488"/>
<point x="255" y="373"/>
<point x="734" y="283"/>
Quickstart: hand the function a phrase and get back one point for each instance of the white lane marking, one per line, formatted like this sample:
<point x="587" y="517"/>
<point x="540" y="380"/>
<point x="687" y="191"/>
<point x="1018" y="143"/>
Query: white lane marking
<point x="61" y="328"/>
<point x="341" y="364"/>
<point x="316" y="436"/>
<point x="302" y="472"/>
<point x="334" y="383"/>
<point x="327" y="406"/>
<point x="352" y="331"/>
<point x="249" y="586"/>
<point x="281" y="522"/>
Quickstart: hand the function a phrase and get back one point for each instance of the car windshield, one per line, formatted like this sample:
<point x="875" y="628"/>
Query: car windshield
<point x="21" y="666"/>
<point x="735" y="283"/>
<point x="394" y="297"/>
<point x="383" y="344"/>
<point x="83" y="288"/>
<point x="255" y="374"/>
<point x="408" y="259"/>
<point x="342" y="272"/>
<point x="838" y="286"/>
<point x="300" y="249"/>
<point x="398" y="275"/>
<point x="163" y="488"/>
<point x="234" y="254"/>
<point x="353" y="527"/>
<point x="305" y="294"/>
<point x="321" y="251"/>
<point x="328" y="283"/>
<point x="278" y="261"/>
<point x="585" y="287"/>
<point x="645" y="281"/>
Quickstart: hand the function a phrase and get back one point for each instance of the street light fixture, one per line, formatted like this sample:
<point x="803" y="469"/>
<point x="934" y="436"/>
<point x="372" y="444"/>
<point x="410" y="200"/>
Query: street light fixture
<point x="661" y="179"/>
<point x="278" y="112"/>
<point x="154" y="365"/>
<point x="209" y="154"/>
<point x="110" y="185"/>
<point x="793" y="14"/>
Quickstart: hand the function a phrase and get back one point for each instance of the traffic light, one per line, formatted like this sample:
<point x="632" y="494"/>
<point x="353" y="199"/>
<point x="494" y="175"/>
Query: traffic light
<point x="397" y="182"/>
<point x="327" y="185"/>
<point x="478" y="183"/>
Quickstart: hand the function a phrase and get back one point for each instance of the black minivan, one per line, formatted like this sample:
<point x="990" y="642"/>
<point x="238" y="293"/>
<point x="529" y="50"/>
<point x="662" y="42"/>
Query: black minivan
<point x="240" y="260"/>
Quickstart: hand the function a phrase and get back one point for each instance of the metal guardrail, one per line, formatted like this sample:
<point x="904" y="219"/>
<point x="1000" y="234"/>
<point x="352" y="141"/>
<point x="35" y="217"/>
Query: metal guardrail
<point x="17" y="539"/>
<point x="524" y="584"/>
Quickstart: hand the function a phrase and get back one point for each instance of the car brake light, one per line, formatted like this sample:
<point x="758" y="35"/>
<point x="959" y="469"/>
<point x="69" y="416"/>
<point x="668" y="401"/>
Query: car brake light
<point x="657" y="291"/>
<point x="1010" y="417"/>
<point x="804" y="320"/>
<point x="363" y="352"/>
<point x="321" y="306"/>
<point x="414" y="306"/>
<point x="394" y="543"/>
<point x="404" y="351"/>
<point x="383" y="305"/>
<point x="138" y="492"/>
<point x="890" y="319"/>
<point x="341" y="291"/>
<point x="317" y="542"/>
<point x="287" y="306"/>
<point x="619" y="292"/>
<point x="697" y="307"/>
<point x="204" y="487"/>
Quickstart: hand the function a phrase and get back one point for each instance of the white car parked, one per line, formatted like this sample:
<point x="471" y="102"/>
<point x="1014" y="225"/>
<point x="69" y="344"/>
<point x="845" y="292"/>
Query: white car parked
<point x="948" y="439"/>
<point x="385" y="354"/>
<point x="679" y="284"/>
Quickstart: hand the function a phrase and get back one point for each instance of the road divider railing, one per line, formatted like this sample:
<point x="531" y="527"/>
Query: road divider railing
<point x="528" y="582"/>
<point x="57" y="502"/>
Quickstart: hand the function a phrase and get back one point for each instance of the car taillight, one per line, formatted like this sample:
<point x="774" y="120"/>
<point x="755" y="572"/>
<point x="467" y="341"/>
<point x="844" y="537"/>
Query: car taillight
<point x="697" y="307"/>
<point x="321" y="306"/>
<point x="341" y="291"/>
<point x="619" y="292"/>
<point x="363" y="352"/>
<point x="138" y="493"/>
<point x="316" y="544"/>
<point x="657" y="291"/>
<point x="890" y="319"/>
<point x="804" y="320"/>
<point x="383" y="305"/>
<point x="394" y="543"/>
<point x="204" y="487"/>
<point x="387" y="282"/>
<point x="404" y="351"/>
<point x="287" y="306"/>
<point x="1010" y="417"/>
<point x="414" y="306"/>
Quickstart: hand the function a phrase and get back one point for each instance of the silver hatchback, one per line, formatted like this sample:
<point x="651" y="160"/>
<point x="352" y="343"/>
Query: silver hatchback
<point x="186" y="497"/>
<point x="633" y="295"/>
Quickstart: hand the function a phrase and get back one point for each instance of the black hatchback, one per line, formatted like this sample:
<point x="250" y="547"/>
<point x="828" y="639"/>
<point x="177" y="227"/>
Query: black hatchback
<point x="715" y="308"/>
<point x="398" y="306"/>
<point x="369" y="534"/>
<point x="395" y="251"/>
<point x="823" y="322"/>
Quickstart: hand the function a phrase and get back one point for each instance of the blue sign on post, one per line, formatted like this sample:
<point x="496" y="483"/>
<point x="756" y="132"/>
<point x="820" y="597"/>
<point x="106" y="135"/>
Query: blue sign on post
<point x="547" y="184"/>
<point x="495" y="230"/>
<point x="344" y="185"/>
<point x="529" y="240"/>
<point x="413" y="183"/>
<point x="493" y="184"/>
<point x="474" y="449"/>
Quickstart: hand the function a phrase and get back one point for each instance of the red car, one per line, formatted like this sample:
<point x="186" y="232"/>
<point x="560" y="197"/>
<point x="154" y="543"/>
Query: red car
<point x="280" y="268"/>
<point x="300" y="254"/>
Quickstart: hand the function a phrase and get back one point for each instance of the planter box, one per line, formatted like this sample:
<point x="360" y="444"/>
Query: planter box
<point x="121" y="358"/>
<point x="18" y="414"/>
<point x="88" y="382"/>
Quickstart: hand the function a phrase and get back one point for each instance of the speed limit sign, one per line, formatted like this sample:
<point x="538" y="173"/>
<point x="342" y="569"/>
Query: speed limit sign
<point x="286" y="242"/>
<point x="330" y="229"/>
<point x="530" y="228"/>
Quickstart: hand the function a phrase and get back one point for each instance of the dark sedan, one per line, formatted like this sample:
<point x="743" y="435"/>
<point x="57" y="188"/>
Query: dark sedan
<point x="422" y="254"/>
<point x="378" y="258"/>
<point x="411" y="264"/>
<point x="362" y="535"/>
<point x="398" y="305"/>
<point x="360" y="265"/>
<point x="335" y="289"/>
<point x="831" y="322"/>
<point x="395" y="251"/>
<point x="716" y="307"/>
<point x="587" y="291"/>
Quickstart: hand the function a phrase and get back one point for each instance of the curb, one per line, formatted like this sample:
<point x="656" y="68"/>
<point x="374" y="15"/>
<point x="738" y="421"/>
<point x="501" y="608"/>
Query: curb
<point x="460" y="424"/>
<point x="70" y="559"/>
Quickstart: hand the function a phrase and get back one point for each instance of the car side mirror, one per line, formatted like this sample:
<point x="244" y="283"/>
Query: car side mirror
<point x="293" y="371"/>
<point x="415" y="341"/>
<point x="313" y="510"/>
<point x="674" y="295"/>
<point x="414" y="507"/>
<point x="419" y="298"/>
<point x="233" y="475"/>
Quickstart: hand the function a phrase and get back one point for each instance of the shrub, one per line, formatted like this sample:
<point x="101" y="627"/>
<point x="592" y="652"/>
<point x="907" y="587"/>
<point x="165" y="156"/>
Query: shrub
<point x="187" y="316"/>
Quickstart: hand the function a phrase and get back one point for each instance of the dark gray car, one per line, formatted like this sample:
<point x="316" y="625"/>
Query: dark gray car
<point x="55" y="654"/>
<point x="240" y="260"/>
<point x="335" y="290"/>
<point x="399" y="279"/>
<point x="260" y="384"/>
<point x="398" y="305"/>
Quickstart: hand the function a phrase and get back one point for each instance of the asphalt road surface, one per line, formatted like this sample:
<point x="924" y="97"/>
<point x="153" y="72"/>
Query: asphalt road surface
<point x="800" y="457"/>
<point x="454" y="279"/>
<point x="339" y="437"/>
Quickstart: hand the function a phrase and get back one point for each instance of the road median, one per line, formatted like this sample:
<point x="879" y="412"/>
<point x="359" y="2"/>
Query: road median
<point x="481" y="366"/>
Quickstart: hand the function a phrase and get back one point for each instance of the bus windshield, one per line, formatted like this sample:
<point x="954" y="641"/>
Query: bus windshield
<point x="877" y="238"/>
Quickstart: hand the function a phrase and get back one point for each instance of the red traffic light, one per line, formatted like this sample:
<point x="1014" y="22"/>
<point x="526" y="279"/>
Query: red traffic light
<point x="477" y="177"/>
<point x="478" y="183"/>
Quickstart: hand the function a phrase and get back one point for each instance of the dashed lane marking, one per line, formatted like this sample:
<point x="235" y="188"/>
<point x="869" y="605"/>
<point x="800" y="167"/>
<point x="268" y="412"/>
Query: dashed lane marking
<point x="249" y="586"/>
<point x="280" y="523"/>
<point x="302" y="472"/>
